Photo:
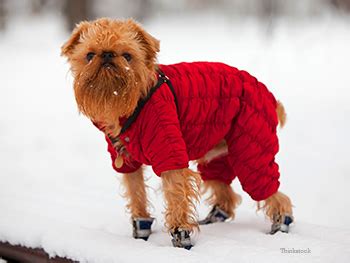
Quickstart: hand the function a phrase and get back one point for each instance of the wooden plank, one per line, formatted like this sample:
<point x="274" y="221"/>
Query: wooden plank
<point x="16" y="253"/>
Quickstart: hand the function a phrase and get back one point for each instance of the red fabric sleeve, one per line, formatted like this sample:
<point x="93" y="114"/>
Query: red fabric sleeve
<point x="217" y="169"/>
<point x="162" y="141"/>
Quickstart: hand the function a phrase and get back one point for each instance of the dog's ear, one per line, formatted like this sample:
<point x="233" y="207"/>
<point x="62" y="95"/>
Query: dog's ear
<point x="148" y="42"/>
<point x="68" y="47"/>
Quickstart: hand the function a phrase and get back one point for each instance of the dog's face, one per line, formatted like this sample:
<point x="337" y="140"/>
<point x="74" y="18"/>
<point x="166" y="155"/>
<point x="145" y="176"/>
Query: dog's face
<point x="113" y="63"/>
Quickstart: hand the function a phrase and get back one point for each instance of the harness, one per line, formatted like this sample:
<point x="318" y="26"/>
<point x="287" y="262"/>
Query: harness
<point x="162" y="78"/>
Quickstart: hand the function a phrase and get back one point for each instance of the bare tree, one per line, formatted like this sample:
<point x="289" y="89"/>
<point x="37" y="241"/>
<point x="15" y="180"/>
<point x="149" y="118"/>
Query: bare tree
<point x="143" y="9"/>
<point x="341" y="4"/>
<point x="2" y="15"/>
<point x="37" y="6"/>
<point x="268" y="8"/>
<point x="76" y="11"/>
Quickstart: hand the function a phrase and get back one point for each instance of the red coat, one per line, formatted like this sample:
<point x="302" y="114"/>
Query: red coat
<point x="214" y="102"/>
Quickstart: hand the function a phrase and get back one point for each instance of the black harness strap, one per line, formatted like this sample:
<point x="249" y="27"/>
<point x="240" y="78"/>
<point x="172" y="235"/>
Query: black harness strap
<point x="142" y="102"/>
<point x="170" y="85"/>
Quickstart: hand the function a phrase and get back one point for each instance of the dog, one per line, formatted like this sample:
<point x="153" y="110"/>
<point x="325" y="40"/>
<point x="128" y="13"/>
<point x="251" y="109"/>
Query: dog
<point x="168" y="115"/>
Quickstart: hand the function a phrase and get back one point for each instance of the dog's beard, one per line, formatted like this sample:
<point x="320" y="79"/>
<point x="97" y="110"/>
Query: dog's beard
<point x="105" y="93"/>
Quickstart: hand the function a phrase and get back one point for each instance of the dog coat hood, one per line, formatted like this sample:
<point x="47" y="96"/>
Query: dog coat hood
<point x="213" y="102"/>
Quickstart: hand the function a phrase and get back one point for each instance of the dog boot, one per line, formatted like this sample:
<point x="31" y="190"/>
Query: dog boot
<point x="215" y="215"/>
<point x="181" y="238"/>
<point x="142" y="227"/>
<point x="281" y="223"/>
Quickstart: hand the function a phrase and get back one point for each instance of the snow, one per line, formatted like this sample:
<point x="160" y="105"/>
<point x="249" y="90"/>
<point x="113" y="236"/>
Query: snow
<point x="58" y="190"/>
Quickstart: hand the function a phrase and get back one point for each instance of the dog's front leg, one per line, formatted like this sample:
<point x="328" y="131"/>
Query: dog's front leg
<point x="278" y="208"/>
<point x="181" y="192"/>
<point x="137" y="202"/>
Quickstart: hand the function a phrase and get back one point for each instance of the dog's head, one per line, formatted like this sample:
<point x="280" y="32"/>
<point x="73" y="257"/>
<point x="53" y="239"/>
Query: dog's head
<point x="113" y="63"/>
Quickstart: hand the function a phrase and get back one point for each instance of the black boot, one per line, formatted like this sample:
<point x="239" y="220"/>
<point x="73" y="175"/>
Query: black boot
<point x="281" y="223"/>
<point x="181" y="238"/>
<point x="142" y="227"/>
<point x="215" y="215"/>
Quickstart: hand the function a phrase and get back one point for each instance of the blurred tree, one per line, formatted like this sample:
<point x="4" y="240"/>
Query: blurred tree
<point x="341" y="4"/>
<point x="2" y="15"/>
<point x="37" y="6"/>
<point x="143" y="9"/>
<point x="76" y="11"/>
<point x="268" y="8"/>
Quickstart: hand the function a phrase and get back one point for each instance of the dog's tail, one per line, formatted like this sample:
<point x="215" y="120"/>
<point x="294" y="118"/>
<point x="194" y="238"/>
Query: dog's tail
<point x="281" y="114"/>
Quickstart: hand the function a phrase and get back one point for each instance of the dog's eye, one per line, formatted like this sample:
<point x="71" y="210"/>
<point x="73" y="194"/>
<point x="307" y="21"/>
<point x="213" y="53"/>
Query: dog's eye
<point x="90" y="56"/>
<point x="127" y="56"/>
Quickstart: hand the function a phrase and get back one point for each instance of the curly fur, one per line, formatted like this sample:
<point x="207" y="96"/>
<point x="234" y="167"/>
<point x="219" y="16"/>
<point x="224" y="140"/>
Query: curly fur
<point x="106" y="93"/>
<point x="281" y="114"/>
<point x="181" y="192"/>
<point x="278" y="203"/>
<point x="135" y="193"/>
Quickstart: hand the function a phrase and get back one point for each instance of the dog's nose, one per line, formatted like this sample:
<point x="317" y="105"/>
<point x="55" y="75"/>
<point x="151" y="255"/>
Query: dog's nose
<point x="107" y="56"/>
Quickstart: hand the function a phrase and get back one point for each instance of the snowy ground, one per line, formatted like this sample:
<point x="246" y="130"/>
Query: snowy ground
<point x="57" y="188"/>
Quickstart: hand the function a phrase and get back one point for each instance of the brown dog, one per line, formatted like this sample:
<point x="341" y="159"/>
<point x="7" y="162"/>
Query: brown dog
<point x="114" y="67"/>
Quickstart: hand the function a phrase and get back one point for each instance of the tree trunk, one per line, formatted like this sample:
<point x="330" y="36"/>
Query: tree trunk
<point x="341" y="4"/>
<point x="37" y="6"/>
<point x="2" y="15"/>
<point x="76" y="11"/>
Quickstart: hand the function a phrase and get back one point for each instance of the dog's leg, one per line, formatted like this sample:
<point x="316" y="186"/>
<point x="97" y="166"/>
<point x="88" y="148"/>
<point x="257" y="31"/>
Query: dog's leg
<point x="223" y="200"/>
<point x="214" y="167"/>
<point x="135" y="193"/>
<point x="278" y="208"/>
<point x="181" y="192"/>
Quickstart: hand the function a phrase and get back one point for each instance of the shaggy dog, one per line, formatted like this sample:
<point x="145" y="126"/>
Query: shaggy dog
<point x="168" y="115"/>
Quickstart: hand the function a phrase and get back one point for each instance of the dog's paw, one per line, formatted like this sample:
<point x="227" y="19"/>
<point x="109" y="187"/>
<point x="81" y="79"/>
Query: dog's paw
<point x="181" y="238"/>
<point x="215" y="215"/>
<point x="142" y="227"/>
<point x="281" y="223"/>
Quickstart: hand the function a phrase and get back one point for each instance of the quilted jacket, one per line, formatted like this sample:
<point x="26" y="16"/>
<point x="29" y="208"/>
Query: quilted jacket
<point x="212" y="102"/>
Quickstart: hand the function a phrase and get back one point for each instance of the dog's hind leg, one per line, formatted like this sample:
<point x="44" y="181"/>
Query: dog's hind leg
<point x="223" y="200"/>
<point x="217" y="176"/>
<point x="137" y="202"/>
